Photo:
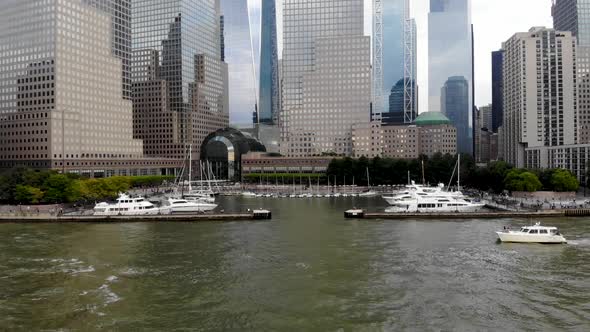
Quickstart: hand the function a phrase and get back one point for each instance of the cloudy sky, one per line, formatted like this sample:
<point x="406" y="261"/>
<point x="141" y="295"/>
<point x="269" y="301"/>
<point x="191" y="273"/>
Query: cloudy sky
<point x="494" y="22"/>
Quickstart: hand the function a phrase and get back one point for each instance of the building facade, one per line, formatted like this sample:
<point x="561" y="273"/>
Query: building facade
<point x="571" y="157"/>
<point x="432" y="133"/>
<point x="450" y="56"/>
<point x="120" y="12"/>
<point x="326" y="79"/>
<point x="176" y="48"/>
<point x="497" y="90"/>
<point x="573" y="16"/>
<point x="62" y="103"/>
<point x="540" y="107"/>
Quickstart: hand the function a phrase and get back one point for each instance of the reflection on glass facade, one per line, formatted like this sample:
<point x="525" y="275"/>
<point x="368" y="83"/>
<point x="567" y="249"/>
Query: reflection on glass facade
<point x="393" y="47"/>
<point x="450" y="56"/>
<point x="574" y="16"/>
<point x="269" y="65"/>
<point x="179" y="42"/>
<point x="454" y="99"/>
<point x="497" y="86"/>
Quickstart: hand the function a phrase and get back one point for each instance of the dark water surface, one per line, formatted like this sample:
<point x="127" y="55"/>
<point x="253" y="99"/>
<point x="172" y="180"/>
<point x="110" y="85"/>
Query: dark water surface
<point x="307" y="270"/>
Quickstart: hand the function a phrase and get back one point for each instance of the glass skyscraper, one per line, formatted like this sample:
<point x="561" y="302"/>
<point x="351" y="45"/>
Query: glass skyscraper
<point x="178" y="42"/>
<point x="574" y="16"/>
<point x="393" y="48"/>
<point x="497" y="86"/>
<point x="268" y="100"/>
<point x="450" y="56"/>
<point x="454" y="100"/>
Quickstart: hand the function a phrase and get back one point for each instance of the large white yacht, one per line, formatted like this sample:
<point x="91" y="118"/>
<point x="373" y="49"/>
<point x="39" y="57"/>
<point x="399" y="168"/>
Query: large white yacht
<point x="413" y="190"/>
<point x="433" y="204"/>
<point x="126" y="206"/>
<point x="174" y="205"/>
<point x="532" y="234"/>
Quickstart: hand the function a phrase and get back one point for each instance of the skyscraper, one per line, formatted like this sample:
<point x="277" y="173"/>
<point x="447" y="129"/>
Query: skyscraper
<point x="268" y="108"/>
<point x="326" y="76"/>
<point x="120" y="12"/>
<point x="61" y="104"/>
<point x="396" y="56"/>
<point x="450" y="56"/>
<point x="177" y="48"/>
<point x="574" y="16"/>
<point x="454" y="101"/>
<point x="540" y="93"/>
<point x="497" y="93"/>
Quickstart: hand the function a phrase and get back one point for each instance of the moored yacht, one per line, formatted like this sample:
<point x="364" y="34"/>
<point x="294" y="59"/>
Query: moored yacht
<point x="126" y="206"/>
<point x="532" y="234"/>
<point x="435" y="204"/>
<point x="174" y="205"/>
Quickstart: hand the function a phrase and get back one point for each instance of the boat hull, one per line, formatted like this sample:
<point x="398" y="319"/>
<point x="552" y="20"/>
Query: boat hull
<point x="512" y="237"/>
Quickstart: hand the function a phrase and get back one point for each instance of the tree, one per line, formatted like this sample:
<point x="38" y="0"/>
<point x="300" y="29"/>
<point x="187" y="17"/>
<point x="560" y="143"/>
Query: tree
<point x="522" y="180"/>
<point x="28" y="194"/>
<point x="563" y="180"/>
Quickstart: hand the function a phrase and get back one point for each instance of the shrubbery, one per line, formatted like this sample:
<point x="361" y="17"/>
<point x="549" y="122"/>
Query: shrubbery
<point x="29" y="186"/>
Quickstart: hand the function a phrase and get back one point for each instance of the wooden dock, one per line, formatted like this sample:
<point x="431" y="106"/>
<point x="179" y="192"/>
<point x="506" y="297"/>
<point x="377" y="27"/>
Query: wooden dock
<point x="185" y="218"/>
<point x="474" y="215"/>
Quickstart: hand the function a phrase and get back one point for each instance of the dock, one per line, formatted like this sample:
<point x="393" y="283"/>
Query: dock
<point x="471" y="215"/>
<point x="184" y="218"/>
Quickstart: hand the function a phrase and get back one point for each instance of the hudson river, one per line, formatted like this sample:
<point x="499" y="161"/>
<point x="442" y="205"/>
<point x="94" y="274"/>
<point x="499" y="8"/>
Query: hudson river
<point x="308" y="269"/>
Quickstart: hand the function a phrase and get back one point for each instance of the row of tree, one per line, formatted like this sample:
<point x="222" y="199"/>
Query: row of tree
<point x="27" y="186"/>
<point x="497" y="176"/>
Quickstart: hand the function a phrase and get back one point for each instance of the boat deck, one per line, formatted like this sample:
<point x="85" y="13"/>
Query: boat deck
<point x="475" y="215"/>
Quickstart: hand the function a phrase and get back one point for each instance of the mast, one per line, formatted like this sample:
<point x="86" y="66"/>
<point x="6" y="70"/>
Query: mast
<point x="459" y="172"/>
<point x="368" y="180"/>
<point x="423" y="178"/>
<point x="190" y="167"/>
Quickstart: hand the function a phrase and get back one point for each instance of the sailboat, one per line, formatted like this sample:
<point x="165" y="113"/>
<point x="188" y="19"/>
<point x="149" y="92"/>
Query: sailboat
<point x="369" y="192"/>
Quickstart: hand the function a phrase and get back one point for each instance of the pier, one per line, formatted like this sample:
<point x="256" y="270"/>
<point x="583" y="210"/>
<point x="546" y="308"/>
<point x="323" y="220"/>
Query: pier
<point x="472" y="215"/>
<point x="185" y="218"/>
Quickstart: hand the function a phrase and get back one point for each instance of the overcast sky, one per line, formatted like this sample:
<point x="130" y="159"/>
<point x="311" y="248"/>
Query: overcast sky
<point x="494" y="22"/>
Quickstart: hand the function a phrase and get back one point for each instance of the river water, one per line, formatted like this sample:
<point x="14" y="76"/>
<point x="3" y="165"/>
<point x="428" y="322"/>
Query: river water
<point x="308" y="269"/>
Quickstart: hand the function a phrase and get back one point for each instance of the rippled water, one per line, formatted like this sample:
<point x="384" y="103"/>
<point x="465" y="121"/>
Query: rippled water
<point x="307" y="270"/>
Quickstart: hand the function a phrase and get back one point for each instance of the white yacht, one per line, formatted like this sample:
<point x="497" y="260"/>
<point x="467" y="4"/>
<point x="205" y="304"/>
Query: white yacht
<point x="435" y="204"/>
<point x="248" y="194"/>
<point x="532" y="234"/>
<point x="126" y="206"/>
<point x="205" y="196"/>
<point x="413" y="190"/>
<point x="174" y="205"/>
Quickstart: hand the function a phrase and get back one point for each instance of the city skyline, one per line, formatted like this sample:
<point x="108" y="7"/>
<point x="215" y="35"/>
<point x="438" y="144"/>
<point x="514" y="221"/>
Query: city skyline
<point x="489" y="37"/>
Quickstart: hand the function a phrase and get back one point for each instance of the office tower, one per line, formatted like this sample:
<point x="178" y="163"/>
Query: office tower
<point x="179" y="80"/>
<point x="397" y="112"/>
<point x="268" y="100"/>
<point x="539" y="92"/>
<point x="326" y="76"/>
<point x="454" y="101"/>
<point x="120" y="12"/>
<point x="486" y="117"/>
<point x="450" y="56"/>
<point x="61" y="102"/>
<point x="395" y="53"/>
<point x="222" y="36"/>
<point x="574" y="16"/>
<point x="497" y="92"/>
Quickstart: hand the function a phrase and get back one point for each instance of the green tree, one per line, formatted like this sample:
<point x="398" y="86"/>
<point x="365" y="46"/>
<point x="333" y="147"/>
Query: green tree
<point x="563" y="180"/>
<point x="522" y="180"/>
<point x="28" y="194"/>
<point x="56" y="188"/>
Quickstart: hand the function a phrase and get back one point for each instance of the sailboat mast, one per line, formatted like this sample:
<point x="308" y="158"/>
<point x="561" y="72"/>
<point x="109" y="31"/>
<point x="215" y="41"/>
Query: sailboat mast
<point x="459" y="172"/>
<point x="190" y="167"/>
<point x="423" y="177"/>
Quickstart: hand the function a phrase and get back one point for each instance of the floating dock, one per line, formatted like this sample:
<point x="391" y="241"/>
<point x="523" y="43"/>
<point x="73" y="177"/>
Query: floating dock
<point x="470" y="215"/>
<point x="186" y="218"/>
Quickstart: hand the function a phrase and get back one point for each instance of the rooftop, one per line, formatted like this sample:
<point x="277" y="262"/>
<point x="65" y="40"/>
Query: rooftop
<point x="432" y="119"/>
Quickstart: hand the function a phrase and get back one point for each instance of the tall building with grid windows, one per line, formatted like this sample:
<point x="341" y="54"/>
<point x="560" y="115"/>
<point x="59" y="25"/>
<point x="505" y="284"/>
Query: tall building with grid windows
<point x="120" y="12"/>
<point x="61" y="102"/>
<point x="574" y="16"/>
<point x="179" y="79"/>
<point x="540" y="108"/>
<point x="326" y="78"/>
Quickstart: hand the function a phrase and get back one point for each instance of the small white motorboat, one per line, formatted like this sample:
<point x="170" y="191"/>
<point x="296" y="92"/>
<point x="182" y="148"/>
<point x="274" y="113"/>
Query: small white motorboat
<point x="354" y="213"/>
<point x="532" y="234"/>
<point x="185" y="206"/>
<point x="248" y="194"/>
